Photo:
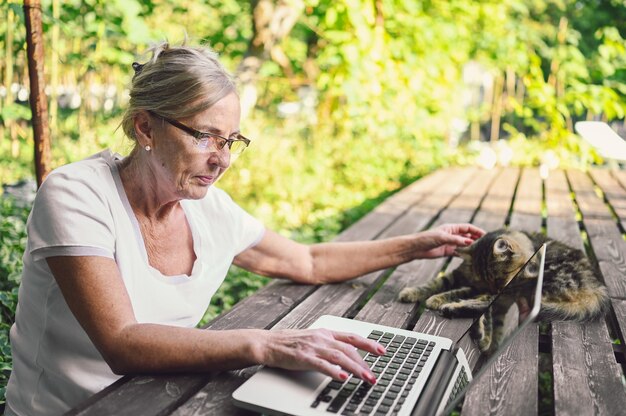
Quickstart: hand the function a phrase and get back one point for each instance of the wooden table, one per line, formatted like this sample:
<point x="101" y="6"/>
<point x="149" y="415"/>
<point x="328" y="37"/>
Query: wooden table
<point x="585" y="362"/>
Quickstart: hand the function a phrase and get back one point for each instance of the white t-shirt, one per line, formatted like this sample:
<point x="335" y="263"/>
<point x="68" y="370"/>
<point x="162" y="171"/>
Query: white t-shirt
<point x="82" y="209"/>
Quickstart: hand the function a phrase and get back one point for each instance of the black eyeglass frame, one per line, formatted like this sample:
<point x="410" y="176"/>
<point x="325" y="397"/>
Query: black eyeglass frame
<point x="201" y="135"/>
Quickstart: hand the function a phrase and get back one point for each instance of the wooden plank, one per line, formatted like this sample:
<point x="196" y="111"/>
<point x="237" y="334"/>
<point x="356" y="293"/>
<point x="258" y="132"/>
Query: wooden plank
<point x="213" y="399"/>
<point x="587" y="379"/>
<point x="604" y="234"/>
<point x="620" y="176"/>
<point x="588" y="201"/>
<point x="561" y="221"/>
<point x="497" y="204"/>
<point x="528" y="200"/>
<point x="261" y="310"/>
<point x="509" y="386"/>
<point x="372" y="224"/>
<point x="610" y="251"/>
<point x="613" y="192"/>
<point x="329" y="299"/>
<point x="512" y="384"/>
<point x="141" y="396"/>
<point x="384" y="306"/>
<point x="619" y="306"/>
<point x="558" y="196"/>
<point x="579" y="389"/>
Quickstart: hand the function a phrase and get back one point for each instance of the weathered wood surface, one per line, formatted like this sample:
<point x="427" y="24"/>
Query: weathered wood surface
<point x="582" y="357"/>
<point x="513" y="378"/>
<point x="585" y="210"/>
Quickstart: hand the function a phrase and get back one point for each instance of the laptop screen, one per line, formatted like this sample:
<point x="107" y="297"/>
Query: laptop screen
<point x="516" y="305"/>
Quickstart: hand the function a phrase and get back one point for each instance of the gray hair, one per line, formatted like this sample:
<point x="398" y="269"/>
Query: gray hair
<point x="177" y="82"/>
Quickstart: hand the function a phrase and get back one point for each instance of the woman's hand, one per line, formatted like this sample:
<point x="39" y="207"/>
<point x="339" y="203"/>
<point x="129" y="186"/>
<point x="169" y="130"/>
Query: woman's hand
<point x="330" y="352"/>
<point x="443" y="240"/>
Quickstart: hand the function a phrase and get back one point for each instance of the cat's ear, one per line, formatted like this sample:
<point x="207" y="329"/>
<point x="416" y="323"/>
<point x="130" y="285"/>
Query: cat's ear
<point x="501" y="246"/>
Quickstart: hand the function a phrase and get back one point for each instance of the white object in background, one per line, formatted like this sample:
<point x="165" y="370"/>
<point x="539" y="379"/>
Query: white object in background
<point x="603" y="138"/>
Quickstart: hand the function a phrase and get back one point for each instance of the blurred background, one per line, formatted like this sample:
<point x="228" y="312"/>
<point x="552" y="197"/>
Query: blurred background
<point x="346" y="101"/>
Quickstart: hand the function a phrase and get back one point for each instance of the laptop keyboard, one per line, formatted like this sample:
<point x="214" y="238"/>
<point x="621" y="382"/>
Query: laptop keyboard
<point x="461" y="381"/>
<point x="396" y="372"/>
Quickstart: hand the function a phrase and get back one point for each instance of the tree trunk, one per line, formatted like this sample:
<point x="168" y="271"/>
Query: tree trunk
<point x="54" y="68"/>
<point x="8" y="72"/>
<point x="272" y="22"/>
<point x="38" y="102"/>
<point x="496" y="109"/>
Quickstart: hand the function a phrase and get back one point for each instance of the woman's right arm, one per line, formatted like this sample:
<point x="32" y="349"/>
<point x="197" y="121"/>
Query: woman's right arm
<point x="96" y="295"/>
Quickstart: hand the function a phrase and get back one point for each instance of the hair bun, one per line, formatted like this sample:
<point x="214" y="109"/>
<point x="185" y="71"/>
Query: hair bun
<point x="137" y="67"/>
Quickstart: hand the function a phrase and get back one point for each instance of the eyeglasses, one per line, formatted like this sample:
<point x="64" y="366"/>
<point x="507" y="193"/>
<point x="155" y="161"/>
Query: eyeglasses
<point x="204" y="140"/>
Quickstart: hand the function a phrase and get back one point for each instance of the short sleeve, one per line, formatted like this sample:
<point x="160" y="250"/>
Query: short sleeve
<point x="232" y="228"/>
<point x="71" y="215"/>
<point x="250" y="231"/>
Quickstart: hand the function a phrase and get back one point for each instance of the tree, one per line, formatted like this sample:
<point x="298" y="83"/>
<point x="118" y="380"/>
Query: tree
<point x="38" y="101"/>
<point x="273" y="20"/>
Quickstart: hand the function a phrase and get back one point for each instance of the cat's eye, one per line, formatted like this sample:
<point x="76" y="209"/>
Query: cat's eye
<point x="501" y="246"/>
<point x="531" y="270"/>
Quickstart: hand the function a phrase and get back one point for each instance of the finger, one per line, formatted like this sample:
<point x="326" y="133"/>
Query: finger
<point x="350" y="342"/>
<point x="360" y="342"/>
<point x="456" y="240"/>
<point x="326" y="367"/>
<point x="470" y="229"/>
<point x="350" y="364"/>
<point x="352" y="353"/>
<point x="475" y="231"/>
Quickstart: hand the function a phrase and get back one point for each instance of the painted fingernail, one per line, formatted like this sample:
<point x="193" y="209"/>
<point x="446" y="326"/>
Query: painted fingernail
<point x="370" y="378"/>
<point x="343" y="375"/>
<point x="381" y="350"/>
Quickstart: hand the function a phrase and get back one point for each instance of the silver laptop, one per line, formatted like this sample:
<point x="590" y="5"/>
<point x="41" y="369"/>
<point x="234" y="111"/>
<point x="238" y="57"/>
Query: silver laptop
<point x="420" y="374"/>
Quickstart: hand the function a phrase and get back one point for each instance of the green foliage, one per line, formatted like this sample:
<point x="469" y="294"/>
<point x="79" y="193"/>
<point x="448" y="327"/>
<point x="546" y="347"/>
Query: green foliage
<point x="238" y="285"/>
<point x="12" y="242"/>
<point x="546" y="405"/>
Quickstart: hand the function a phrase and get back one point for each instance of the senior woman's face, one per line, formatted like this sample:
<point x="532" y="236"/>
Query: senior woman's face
<point x="186" y="169"/>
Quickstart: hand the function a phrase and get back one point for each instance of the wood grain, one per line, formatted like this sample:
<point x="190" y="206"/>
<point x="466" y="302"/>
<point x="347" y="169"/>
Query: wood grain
<point x="509" y="386"/>
<point x="604" y="234"/>
<point x="512" y="382"/>
<point x="497" y="203"/>
<point x="613" y="192"/>
<point x="578" y="389"/>
<point x="587" y="379"/>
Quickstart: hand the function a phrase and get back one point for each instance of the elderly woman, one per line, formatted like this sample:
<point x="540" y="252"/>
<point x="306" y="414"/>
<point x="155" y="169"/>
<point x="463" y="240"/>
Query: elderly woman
<point x="124" y="253"/>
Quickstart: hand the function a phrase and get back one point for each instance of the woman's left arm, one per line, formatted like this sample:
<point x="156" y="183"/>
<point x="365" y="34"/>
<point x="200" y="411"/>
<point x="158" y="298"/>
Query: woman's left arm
<point x="277" y="256"/>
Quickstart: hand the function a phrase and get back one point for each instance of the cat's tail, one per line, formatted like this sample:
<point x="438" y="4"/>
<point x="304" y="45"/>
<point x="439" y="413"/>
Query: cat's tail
<point x="586" y="304"/>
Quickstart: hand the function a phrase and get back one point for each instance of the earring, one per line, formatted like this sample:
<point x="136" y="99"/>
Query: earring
<point x="148" y="148"/>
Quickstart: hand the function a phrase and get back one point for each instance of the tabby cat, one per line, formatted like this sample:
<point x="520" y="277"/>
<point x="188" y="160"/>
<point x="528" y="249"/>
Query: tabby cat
<point x="571" y="290"/>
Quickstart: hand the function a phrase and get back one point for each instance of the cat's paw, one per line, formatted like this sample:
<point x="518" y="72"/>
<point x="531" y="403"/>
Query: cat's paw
<point x="482" y="334"/>
<point x="446" y="310"/>
<point x="435" y="303"/>
<point x="484" y="344"/>
<point x="412" y="295"/>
